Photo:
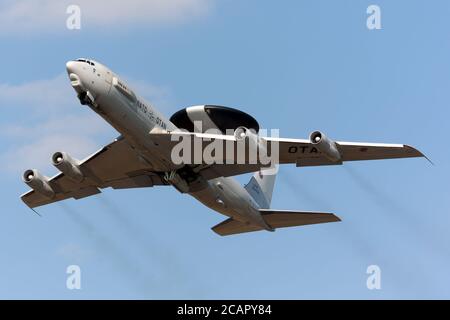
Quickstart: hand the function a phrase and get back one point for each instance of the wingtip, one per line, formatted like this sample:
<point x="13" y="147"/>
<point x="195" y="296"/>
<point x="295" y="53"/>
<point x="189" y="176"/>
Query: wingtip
<point x="419" y="153"/>
<point x="429" y="160"/>
<point x="23" y="198"/>
<point x="36" y="212"/>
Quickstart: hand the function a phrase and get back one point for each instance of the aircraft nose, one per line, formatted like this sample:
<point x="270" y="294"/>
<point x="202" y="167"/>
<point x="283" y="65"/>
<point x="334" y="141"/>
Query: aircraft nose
<point x="71" y="66"/>
<point x="74" y="76"/>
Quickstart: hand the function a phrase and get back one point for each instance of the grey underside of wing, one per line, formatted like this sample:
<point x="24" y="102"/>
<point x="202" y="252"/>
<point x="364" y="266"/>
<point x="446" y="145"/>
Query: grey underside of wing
<point x="275" y="219"/>
<point x="296" y="151"/>
<point x="116" y="165"/>
<point x="302" y="153"/>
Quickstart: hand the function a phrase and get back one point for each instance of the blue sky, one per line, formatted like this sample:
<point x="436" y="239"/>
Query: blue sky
<point x="294" y="65"/>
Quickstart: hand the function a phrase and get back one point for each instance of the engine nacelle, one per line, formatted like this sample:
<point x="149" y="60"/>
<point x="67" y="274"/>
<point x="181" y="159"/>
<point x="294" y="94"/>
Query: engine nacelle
<point x="325" y="145"/>
<point x="242" y="133"/>
<point x="36" y="181"/>
<point x="254" y="144"/>
<point x="68" y="165"/>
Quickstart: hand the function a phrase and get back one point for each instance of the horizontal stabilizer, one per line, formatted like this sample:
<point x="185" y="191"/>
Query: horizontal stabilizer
<point x="275" y="219"/>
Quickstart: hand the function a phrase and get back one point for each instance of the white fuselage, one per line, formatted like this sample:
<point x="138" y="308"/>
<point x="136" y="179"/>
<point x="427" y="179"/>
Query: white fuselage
<point x="135" y="118"/>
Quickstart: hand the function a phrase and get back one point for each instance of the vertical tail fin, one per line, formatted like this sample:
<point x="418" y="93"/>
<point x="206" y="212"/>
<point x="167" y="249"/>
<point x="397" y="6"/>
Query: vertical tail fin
<point x="261" y="185"/>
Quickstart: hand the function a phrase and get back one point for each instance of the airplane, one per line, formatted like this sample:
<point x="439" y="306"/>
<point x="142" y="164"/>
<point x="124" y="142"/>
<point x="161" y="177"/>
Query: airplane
<point x="142" y="156"/>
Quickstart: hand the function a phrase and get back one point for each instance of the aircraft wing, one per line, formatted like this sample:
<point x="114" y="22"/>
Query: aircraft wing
<point x="116" y="165"/>
<point x="301" y="152"/>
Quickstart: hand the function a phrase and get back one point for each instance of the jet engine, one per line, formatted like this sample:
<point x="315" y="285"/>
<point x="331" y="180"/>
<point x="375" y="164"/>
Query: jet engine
<point x="253" y="143"/>
<point x="242" y="133"/>
<point x="68" y="165"/>
<point x="36" y="181"/>
<point x="325" y="145"/>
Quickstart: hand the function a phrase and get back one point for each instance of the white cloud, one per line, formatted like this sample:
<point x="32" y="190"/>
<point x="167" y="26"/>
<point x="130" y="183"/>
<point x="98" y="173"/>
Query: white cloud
<point x="51" y="93"/>
<point x="56" y="94"/>
<point x="47" y="117"/>
<point x="158" y="96"/>
<point x="25" y="16"/>
<point x="34" y="145"/>
<point x="67" y="123"/>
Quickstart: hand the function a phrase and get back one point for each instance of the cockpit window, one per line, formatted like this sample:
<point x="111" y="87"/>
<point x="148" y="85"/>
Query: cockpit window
<point x="87" y="61"/>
